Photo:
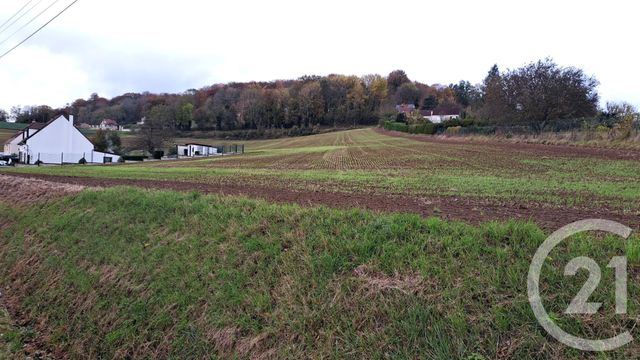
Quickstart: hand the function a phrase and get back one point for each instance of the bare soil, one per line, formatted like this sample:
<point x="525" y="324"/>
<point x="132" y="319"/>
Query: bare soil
<point x="26" y="191"/>
<point x="469" y="210"/>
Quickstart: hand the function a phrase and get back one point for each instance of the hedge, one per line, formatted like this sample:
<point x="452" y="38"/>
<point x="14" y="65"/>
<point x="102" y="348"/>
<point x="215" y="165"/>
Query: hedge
<point x="396" y="126"/>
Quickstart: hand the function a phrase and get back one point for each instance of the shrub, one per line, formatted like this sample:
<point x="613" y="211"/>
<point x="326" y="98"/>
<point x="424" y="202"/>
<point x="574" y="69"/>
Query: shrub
<point x="387" y="116"/>
<point x="454" y="130"/>
<point x="82" y="161"/>
<point x="624" y="128"/>
<point x="396" y="126"/>
<point x="467" y="122"/>
<point x="158" y="154"/>
<point x="426" y="128"/>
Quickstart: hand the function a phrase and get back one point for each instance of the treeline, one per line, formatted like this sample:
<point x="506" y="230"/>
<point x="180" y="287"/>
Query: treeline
<point x="532" y="96"/>
<point x="333" y="101"/>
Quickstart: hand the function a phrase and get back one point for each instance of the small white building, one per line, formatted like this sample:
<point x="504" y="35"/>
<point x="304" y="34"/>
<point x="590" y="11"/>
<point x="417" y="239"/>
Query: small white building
<point x="108" y="124"/>
<point x="56" y="142"/>
<point x="192" y="149"/>
<point x="437" y="118"/>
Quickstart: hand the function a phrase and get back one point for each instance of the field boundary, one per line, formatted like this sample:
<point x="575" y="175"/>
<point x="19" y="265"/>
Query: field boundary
<point x="465" y="209"/>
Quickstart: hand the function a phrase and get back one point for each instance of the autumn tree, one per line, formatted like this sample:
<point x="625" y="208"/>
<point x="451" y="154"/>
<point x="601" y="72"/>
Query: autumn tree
<point x="626" y="117"/>
<point x="377" y="90"/>
<point x="430" y="102"/>
<point x="221" y="110"/>
<point x="357" y="99"/>
<point x="395" y="79"/>
<point x="311" y="102"/>
<point x="407" y="93"/>
<point x="251" y="108"/>
<point x="465" y="93"/>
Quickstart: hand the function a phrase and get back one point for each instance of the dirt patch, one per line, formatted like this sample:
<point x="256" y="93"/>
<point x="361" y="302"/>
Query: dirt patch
<point x="553" y="151"/>
<point x="26" y="191"/>
<point x="376" y="281"/>
<point x="470" y="210"/>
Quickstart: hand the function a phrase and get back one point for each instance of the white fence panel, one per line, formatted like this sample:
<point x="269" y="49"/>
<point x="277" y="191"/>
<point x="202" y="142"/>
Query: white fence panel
<point x="59" y="158"/>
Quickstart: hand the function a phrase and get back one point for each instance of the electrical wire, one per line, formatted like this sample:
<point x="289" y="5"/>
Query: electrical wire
<point x="21" y="16"/>
<point x="38" y="30"/>
<point x="14" y="15"/>
<point x="30" y="21"/>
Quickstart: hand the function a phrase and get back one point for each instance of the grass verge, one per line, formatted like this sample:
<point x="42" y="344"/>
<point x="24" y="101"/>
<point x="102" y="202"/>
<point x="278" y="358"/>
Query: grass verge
<point x="130" y="273"/>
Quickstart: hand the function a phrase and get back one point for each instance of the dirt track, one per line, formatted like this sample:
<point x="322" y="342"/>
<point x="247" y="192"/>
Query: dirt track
<point x="469" y="210"/>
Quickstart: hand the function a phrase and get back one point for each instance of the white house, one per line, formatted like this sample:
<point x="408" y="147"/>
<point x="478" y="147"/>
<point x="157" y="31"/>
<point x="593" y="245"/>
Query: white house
<point x="437" y="118"/>
<point x="192" y="149"/>
<point x="55" y="142"/>
<point x="108" y="124"/>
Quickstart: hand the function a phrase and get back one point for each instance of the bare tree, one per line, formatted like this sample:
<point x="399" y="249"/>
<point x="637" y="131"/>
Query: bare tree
<point x="157" y="129"/>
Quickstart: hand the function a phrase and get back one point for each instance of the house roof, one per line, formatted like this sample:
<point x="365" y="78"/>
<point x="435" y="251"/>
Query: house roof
<point x="109" y="122"/>
<point x="34" y="125"/>
<point x="436" y="113"/>
<point x="404" y="108"/>
<point x="14" y="136"/>
<point x="213" y="146"/>
<point x="37" y="126"/>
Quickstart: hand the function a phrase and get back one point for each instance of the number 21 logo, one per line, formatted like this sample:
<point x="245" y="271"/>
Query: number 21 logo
<point x="580" y="303"/>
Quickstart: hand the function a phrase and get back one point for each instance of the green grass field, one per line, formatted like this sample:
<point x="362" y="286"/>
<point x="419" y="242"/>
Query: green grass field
<point x="171" y="275"/>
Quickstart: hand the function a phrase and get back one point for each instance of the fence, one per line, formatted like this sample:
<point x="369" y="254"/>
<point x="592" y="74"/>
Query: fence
<point x="67" y="158"/>
<point x="231" y="149"/>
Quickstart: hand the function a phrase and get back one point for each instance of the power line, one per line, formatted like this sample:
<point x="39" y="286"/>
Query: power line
<point x="38" y="30"/>
<point x="30" y="21"/>
<point x="21" y="16"/>
<point x="14" y="15"/>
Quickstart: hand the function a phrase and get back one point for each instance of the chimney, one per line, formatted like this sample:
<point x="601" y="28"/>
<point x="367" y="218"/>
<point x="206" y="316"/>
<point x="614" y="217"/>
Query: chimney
<point x="70" y="129"/>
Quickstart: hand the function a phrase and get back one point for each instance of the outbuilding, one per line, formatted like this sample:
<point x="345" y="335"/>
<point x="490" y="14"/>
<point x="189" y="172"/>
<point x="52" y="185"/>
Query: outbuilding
<point x="193" y="149"/>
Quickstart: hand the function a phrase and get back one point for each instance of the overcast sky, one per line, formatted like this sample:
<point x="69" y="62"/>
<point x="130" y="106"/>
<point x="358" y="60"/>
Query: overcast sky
<point x="117" y="46"/>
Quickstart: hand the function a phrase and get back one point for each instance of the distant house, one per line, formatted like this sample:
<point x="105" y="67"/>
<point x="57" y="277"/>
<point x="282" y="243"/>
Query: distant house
<point x="55" y="142"/>
<point x="84" y="126"/>
<point x="437" y="118"/>
<point x="405" y="108"/>
<point x="108" y="124"/>
<point x="192" y="149"/>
